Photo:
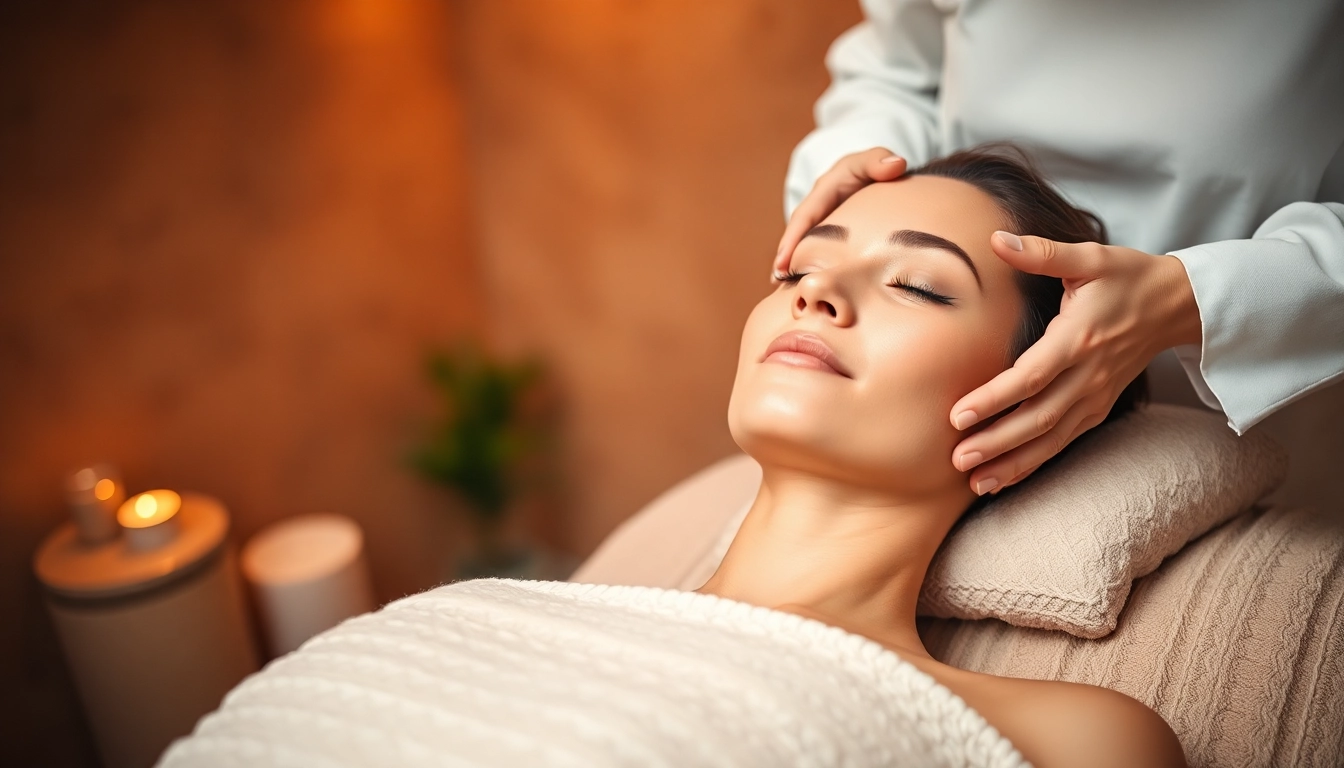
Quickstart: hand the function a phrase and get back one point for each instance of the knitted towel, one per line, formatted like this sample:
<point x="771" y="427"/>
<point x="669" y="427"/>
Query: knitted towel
<point x="508" y="672"/>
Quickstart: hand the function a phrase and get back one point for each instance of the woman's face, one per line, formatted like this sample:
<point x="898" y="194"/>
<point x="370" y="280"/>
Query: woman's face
<point x="851" y="370"/>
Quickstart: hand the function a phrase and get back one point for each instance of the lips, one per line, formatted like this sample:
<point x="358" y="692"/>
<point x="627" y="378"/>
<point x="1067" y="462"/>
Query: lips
<point x="804" y="350"/>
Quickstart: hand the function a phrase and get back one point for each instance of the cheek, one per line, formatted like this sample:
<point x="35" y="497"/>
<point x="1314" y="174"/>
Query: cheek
<point x="933" y="367"/>
<point x="751" y="330"/>
<point x="756" y="332"/>
<point x="916" y="377"/>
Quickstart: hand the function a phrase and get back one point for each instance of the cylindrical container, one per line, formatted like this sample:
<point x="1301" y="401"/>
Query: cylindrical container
<point x="308" y="573"/>
<point x="154" y="638"/>
<point x="94" y="493"/>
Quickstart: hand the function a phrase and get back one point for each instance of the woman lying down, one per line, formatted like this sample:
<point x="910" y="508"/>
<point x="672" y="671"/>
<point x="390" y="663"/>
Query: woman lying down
<point x="801" y="649"/>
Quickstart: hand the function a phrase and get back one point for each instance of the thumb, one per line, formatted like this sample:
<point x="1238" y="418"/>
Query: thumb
<point x="1040" y="256"/>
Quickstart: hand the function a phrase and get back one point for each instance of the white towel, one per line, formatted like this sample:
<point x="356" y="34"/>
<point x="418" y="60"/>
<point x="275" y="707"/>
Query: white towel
<point x="510" y="673"/>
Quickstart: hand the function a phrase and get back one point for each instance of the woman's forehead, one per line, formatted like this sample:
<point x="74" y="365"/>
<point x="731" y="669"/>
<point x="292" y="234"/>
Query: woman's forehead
<point x="946" y="208"/>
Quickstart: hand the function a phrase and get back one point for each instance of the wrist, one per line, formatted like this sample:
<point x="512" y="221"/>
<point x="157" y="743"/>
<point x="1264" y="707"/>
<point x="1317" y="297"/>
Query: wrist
<point x="1181" y="324"/>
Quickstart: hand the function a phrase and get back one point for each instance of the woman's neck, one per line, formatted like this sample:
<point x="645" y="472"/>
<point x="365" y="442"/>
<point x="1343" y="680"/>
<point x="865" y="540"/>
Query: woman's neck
<point x="850" y="556"/>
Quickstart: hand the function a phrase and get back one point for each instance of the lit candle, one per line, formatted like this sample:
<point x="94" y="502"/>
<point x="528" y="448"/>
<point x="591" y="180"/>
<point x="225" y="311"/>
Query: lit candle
<point x="149" y="519"/>
<point x="94" y="493"/>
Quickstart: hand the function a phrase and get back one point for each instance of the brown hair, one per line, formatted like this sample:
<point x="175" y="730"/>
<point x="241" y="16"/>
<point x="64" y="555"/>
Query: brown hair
<point x="1005" y="173"/>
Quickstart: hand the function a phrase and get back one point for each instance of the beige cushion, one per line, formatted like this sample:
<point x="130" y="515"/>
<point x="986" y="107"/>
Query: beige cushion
<point x="1238" y="641"/>
<point x="1061" y="551"/>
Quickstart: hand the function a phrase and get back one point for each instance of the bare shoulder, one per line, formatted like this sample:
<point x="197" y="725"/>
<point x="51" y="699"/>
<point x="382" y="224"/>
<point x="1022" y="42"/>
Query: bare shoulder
<point x="1064" y="724"/>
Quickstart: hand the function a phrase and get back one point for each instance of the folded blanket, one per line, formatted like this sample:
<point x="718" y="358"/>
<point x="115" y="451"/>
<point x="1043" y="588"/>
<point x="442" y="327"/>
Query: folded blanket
<point x="507" y="672"/>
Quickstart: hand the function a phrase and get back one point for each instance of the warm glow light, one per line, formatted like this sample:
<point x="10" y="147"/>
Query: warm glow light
<point x="148" y="509"/>
<point x="104" y="489"/>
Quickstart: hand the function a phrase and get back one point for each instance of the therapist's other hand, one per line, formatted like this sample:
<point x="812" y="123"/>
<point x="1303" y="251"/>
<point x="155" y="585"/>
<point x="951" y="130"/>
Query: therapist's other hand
<point x="1120" y="308"/>
<point x="850" y="174"/>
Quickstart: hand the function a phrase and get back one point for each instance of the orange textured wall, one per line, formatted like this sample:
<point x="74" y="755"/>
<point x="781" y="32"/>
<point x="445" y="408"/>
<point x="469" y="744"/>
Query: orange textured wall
<point x="227" y="233"/>
<point x="628" y="163"/>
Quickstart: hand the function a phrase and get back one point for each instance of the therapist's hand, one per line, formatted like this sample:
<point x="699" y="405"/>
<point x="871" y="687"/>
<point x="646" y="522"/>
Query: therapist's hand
<point x="850" y="174"/>
<point x="1120" y="308"/>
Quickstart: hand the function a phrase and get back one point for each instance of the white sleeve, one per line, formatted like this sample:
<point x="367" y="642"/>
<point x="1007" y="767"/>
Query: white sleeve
<point x="1272" y="311"/>
<point x="885" y="75"/>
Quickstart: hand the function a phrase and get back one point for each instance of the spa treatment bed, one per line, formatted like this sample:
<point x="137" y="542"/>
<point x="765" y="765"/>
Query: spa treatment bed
<point x="1140" y="562"/>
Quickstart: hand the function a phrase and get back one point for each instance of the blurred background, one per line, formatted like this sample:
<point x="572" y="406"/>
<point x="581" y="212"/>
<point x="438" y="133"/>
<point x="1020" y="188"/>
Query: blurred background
<point x="231" y="232"/>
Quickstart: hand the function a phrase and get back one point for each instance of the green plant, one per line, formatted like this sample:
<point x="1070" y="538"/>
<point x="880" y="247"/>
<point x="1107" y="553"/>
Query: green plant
<point x="482" y="445"/>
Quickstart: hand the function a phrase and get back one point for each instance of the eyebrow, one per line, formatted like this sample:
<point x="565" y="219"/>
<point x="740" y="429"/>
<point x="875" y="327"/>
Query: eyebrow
<point x="909" y="238"/>
<point x="829" y="232"/>
<point x="913" y="239"/>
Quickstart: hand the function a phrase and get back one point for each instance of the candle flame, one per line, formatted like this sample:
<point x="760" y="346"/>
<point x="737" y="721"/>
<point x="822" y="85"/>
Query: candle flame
<point x="104" y="489"/>
<point x="148" y="509"/>
<point x="146" y="506"/>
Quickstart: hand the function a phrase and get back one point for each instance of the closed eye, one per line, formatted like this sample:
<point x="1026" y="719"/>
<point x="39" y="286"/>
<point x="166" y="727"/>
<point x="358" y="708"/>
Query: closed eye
<point x="921" y="291"/>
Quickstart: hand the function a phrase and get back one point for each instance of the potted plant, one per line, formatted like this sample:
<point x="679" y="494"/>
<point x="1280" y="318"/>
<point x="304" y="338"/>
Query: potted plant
<point x="484" y="446"/>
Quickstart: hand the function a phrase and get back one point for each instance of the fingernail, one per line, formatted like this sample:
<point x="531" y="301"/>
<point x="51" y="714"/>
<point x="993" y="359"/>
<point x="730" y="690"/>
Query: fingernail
<point x="964" y="419"/>
<point x="971" y="460"/>
<point x="892" y="159"/>
<point x="1009" y="239"/>
<point x="985" y="486"/>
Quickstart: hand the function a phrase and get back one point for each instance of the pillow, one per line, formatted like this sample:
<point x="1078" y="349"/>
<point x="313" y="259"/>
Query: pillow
<point x="1061" y="550"/>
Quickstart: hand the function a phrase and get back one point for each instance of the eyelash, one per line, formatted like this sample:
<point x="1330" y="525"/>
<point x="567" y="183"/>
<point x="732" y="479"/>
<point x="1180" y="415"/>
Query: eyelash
<point x="923" y="291"/>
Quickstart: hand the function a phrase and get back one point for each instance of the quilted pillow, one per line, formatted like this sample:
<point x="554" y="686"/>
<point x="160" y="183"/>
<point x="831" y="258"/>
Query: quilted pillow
<point x="1061" y="550"/>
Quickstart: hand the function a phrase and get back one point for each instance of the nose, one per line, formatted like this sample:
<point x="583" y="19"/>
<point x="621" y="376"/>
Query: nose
<point x="819" y="292"/>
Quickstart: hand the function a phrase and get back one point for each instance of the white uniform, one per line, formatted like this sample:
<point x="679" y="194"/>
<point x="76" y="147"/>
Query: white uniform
<point x="1213" y="131"/>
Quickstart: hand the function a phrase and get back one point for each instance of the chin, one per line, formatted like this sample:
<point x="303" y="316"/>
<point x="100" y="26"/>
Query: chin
<point x="772" y="420"/>
<point x="809" y="430"/>
<point x="780" y="404"/>
<point x="780" y="429"/>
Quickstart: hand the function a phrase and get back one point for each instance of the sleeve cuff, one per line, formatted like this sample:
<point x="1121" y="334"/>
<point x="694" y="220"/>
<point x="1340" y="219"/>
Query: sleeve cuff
<point x="1271" y="312"/>
<point x="1190" y="357"/>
